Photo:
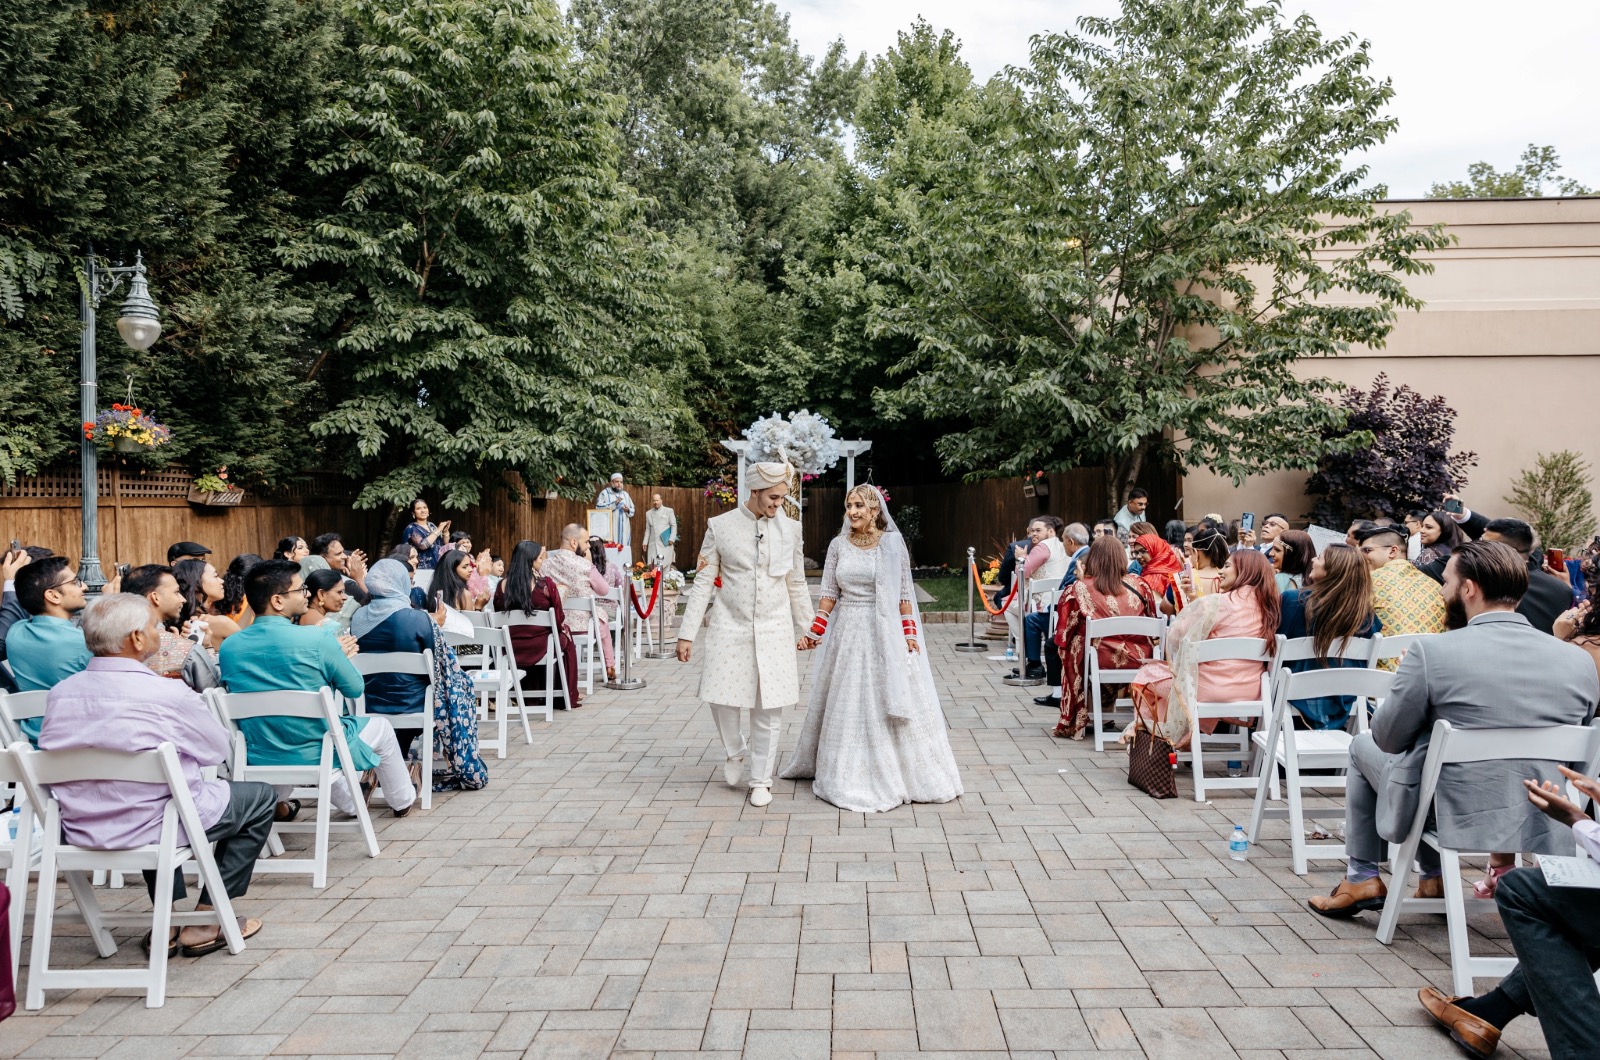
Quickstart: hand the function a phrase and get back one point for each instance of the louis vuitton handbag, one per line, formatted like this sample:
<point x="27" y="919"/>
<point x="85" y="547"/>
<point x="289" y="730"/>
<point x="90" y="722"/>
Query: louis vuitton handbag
<point x="1152" y="764"/>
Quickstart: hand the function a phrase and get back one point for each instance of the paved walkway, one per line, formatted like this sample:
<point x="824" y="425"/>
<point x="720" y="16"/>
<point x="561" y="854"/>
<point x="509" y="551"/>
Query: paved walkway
<point x="608" y="896"/>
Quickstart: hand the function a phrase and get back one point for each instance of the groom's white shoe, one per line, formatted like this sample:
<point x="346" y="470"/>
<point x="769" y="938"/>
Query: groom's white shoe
<point x="733" y="771"/>
<point x="760" y="796"/>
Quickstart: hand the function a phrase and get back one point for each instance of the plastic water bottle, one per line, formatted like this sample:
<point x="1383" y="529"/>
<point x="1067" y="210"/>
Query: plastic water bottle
<point x="13" y="823"/>
<point x="1011" y="652"/>
<point x="1239" y="844"/>
<point x="1235" y="769"/>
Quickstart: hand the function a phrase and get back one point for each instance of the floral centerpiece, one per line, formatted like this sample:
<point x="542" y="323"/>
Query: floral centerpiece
<point x="214" y="489"/>
<point x="127" y="429"/>
<point x="804" y="439"/>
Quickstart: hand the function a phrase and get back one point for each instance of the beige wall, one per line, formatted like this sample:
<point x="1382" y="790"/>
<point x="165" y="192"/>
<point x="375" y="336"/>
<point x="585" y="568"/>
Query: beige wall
<point x="1510" y="336"/>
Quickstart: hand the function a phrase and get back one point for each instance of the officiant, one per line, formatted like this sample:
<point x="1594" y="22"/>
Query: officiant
<point x="614" y="499"/>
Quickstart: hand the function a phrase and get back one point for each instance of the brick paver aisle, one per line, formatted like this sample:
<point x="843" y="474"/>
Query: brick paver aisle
<point x="607" y="895"/>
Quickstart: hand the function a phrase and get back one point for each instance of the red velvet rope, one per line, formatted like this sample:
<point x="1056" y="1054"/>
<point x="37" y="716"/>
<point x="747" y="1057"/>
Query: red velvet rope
<point x="655" y="594"/>
<point x="984" y="600"/>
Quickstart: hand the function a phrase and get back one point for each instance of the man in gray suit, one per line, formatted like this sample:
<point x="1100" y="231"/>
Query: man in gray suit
<point x="1492" y="671"/>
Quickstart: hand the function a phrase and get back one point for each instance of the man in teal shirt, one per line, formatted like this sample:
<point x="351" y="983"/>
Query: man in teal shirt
<point x="273" y="654"/>
<point x="47" y="648"/>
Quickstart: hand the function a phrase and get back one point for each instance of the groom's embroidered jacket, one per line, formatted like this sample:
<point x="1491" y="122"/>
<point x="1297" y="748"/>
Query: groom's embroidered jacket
<point x="748" y="650"/>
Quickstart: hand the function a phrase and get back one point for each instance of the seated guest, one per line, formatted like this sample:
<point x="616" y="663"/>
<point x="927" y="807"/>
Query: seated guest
<point x="1491" y="671"/>
<point x="1210" y="554"/>
<point x="351" y="564"/>
<point x="175" y="657"/>
<point x="1404" y="599"/>
<point x="47" y="648"/>
<point x="610" y="568"/>
<point x="1176" y="532"/>
<point x="1413" y="528"/>
<point x="1333" y="610"/>
<point x="233" y="605"/>
<point x="1103" y="589"/>
<point x="1159" y="566"/>
<point x="1045" y="559"/>
<point x="326" y="604"/>
<point x="186" y="550"/>
<point x="1438" y="535"/>
<point x="276" y="655"/>
<point x="1553" y="932"/>
<point x="291" y="548"/>
<point x="1105" y="528"/>
<point x="405" y="555"/>
<point x="1247" y="606"/>
<point x="1273" y="525"/>
<point x="203" y="590"/>
<point x="390" y="624"/>
<point x="118" y="704"/>
<point x="1548" y="596"/>
<point x="571" y="569"/>
<point x="1581" y="626"/>
<point x="11" y="612"/>
<point x="1292" y="553"/>
<point x="1352" y="535"/>
<point x="1036" y="624"/>
<point x="526" y="588"/>
<point x="449" y="591"/>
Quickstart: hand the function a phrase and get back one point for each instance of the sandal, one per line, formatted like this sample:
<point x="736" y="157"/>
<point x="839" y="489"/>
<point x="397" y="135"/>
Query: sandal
<point x="287" y="810"/>
<point x="172" y="944"/>
<point x="247" y="928"/>
<point x="1485" y="887"/>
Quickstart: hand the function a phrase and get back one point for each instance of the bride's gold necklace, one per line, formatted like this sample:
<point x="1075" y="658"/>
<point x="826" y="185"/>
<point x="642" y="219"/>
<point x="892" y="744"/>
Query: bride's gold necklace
<point x="868" y="536"/>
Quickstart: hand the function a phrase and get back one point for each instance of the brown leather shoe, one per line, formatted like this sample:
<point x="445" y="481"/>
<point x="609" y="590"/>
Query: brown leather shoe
<point x="1431" y="887"/>
<point x="1476" y="1036"/>
<point x="1348" y="899"/>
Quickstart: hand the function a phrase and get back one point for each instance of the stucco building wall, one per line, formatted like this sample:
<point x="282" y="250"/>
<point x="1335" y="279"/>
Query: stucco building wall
<point x="1510" y="336"/>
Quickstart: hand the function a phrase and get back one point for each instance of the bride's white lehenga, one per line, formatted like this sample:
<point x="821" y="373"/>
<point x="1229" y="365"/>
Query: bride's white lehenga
<point x="873" y="738"/>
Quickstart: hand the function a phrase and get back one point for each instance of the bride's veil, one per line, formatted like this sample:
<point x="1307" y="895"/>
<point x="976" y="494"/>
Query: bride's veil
<point x="908" y="680"/>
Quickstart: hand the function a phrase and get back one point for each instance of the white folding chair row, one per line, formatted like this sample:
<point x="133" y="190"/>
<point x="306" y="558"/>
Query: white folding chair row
<point x="1221" y="649"/>
<point x="21" y="856"/>
<point x="39" y="772"/>
<point x="587" y="639"/>
<point x="412" y="664"/>
<point x="1575" y="745"/>
<point x="496" y="680"/>
<point x="1094" y="677"/>
<point x="316" y="778"/>
<point x="1282" y="746"/>
<point x="555" y="674"/>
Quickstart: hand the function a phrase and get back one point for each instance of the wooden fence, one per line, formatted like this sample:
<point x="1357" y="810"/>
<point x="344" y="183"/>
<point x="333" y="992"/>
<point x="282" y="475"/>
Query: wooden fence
<point x="142" y="513"/>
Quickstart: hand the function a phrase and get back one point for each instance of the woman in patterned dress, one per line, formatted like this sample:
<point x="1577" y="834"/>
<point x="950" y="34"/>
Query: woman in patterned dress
<point x="1104" y="589"/>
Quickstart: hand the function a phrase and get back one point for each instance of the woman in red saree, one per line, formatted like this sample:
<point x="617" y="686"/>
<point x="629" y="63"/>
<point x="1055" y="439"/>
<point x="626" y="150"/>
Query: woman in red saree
<point x="1104" y="589"/>
<point x="1159" y="569"/>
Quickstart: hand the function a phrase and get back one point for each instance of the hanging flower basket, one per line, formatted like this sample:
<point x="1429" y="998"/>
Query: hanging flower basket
<point x="127" y="429"/>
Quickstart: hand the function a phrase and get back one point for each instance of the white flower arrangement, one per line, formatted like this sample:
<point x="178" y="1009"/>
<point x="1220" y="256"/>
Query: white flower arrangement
<point x="673" y="580"/>
<point x="805" y="439"/>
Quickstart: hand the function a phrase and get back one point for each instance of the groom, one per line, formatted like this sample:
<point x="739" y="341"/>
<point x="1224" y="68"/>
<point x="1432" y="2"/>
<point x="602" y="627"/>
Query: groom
<point x="758" y="620"/>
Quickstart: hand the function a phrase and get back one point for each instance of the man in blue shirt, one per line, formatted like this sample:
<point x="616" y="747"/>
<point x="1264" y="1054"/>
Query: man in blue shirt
<point x="46" y="648"/>
<point x="274" y="654"/>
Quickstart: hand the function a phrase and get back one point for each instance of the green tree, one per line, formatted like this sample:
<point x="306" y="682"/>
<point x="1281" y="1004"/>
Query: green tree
<point x="1555" y="496"/>
<point x="503" y="305"/>
<point x="172" y="129"/>
<point x="1129" y="244"/>
<point x="1526" y="180"/>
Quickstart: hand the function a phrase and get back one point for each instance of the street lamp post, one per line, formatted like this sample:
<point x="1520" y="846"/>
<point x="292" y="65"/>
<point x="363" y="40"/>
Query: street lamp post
<point x="139" y="325"/>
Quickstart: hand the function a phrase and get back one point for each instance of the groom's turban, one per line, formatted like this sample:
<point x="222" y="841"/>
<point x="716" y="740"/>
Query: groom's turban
<point x="767" y="475"/>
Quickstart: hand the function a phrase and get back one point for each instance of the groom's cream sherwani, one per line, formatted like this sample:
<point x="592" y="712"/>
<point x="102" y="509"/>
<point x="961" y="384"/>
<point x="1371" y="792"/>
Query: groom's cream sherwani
<point x="747" y="652"/>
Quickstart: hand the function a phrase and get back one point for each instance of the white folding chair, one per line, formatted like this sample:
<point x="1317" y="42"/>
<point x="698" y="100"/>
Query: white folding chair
<point x="497" y="680"/>
<point x="316" y="777"/>
<point x="41" y="770"/>
<point x="587" y="641"/>
<point x="1283" y="746"/>
<point x="1094" y="677"/>
<point x="1246" y="649"/>
<point x="20" y="856"/>
<point x="18" y="707"/>
<point x="415" y="664"/>
<point x="1574" y="745"/>
<point x="555" y="674"/>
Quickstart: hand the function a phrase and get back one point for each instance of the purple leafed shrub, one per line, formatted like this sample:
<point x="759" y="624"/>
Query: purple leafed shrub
<point x="1408" y="465"/>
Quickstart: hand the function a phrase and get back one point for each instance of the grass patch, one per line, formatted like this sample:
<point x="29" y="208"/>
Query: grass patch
<point x="949" y="594"/>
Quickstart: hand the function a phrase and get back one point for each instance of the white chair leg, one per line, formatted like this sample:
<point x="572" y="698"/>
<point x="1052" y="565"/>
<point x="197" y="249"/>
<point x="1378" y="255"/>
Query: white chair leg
<point x="17" y="881"/>
<point x="155" y="994"/>
<point x="93" y="916"/>
<point x="1197" y="761"/>
<point x="1297" y="821"/>
<point x="44" y="915"/>
<point x="426" y="782"/>
<point x="1399" y="874"/>
<point x="319" y="841"/>
<point x="1455" y="914"/>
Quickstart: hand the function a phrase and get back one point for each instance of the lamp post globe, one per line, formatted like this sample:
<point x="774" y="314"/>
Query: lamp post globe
<point x="140" y="324"/>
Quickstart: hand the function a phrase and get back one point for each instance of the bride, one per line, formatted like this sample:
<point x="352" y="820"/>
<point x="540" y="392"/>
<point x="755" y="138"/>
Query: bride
<point x="874" y="736"/>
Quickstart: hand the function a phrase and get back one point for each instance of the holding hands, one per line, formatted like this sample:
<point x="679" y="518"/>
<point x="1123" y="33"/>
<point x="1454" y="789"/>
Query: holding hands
<point x="347" y="644"/>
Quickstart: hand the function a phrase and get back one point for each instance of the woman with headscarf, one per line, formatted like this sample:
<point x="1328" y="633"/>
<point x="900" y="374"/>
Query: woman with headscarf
<point x="388" y="623"/>
<point x="1159" y="567"/>
<point x="1103" y="589"/>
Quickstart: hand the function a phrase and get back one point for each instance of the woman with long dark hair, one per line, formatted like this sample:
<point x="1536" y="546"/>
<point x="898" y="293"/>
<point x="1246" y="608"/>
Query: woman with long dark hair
<point x="291" y="548"/>
<point x="450" y="584"/>
<point x="1441" y="535"/>
<point x="431" y="541"/>
<point x="327" y="598"/>
<point x="203" y="592"/>
<point x="524" y="588"/>
<point x="1333" y="610"/>
<point x="233" y="603"/>
<point x="1103" y="589"/>
<point x="1292" y="554"/>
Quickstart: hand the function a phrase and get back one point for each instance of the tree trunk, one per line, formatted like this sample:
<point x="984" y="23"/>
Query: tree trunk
<point x="1122" y="475"/>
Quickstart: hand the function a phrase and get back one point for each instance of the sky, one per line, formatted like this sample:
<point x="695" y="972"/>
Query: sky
<point x="1474" y="80"/>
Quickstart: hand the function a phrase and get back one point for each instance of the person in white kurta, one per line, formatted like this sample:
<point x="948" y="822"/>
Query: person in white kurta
<point x="661" y="534"/>
<point x="758" y="617"/>
<point x="614" y="498"/>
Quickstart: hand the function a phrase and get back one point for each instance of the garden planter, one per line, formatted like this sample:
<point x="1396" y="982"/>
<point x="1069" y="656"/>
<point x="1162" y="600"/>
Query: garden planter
<point x="219" y="499"/>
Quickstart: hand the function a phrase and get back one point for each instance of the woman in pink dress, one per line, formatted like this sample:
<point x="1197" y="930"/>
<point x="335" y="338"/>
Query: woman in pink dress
<point x="1247" y="606"/>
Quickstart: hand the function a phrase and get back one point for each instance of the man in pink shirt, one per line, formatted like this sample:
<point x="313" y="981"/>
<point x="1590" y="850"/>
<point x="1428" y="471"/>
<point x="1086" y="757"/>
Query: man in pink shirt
<point x="118" y="703"/>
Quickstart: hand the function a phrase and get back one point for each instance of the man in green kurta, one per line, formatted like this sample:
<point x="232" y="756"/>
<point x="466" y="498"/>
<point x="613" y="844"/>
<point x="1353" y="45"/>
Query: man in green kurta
<point x="273" y="654"/>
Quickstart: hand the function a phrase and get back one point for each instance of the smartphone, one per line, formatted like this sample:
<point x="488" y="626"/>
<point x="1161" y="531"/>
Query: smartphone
<point x="1454" y="506"/>
<point x="1247" y="521"/>
<point x="16" y="545"/>
<point x="1555" y="558"/>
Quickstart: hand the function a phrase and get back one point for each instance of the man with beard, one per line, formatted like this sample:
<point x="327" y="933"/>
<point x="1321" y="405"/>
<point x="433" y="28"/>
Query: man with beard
<point x="1491" y="671"/>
